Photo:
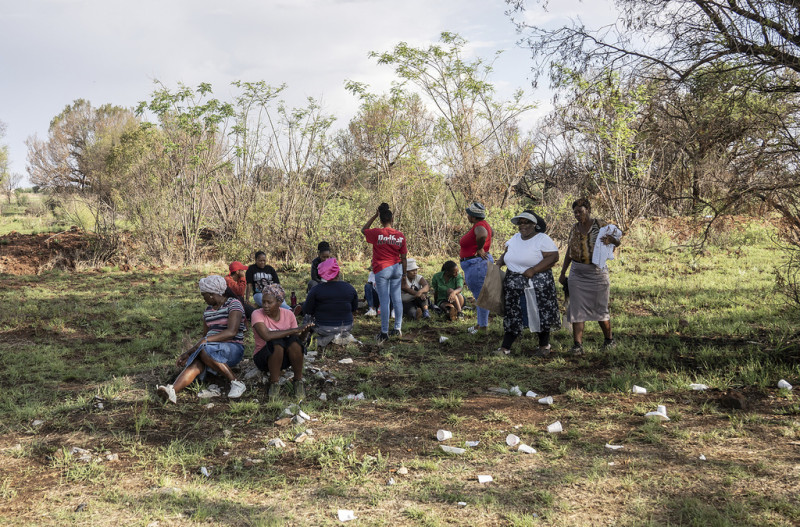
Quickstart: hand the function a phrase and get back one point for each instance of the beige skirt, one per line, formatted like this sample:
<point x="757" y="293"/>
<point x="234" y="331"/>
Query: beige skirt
<point x="588" y="293"/>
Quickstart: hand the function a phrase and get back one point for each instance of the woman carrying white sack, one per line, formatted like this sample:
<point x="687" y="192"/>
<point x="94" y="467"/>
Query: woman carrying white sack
<point x="529" y="257"/>
<point x="588" y="282"/>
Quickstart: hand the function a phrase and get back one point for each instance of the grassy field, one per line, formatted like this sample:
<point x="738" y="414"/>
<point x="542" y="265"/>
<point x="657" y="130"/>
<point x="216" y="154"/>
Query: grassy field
<point x="80" y="355"/>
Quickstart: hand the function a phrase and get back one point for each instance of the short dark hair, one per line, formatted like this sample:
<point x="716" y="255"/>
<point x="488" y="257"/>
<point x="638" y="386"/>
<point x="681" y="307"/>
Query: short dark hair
<point x="260" y="253"/>
<point x="581" y="202"/>
<point x="448" y="266"/>
<point x="323" y="246"/>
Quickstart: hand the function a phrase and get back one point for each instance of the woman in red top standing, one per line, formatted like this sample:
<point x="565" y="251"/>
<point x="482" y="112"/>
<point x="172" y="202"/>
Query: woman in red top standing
<point x="389" y="265"/>
<point x="474" y="254"/>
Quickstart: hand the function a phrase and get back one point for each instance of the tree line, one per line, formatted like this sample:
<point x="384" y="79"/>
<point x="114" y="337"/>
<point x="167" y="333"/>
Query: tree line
<point x="690" y="107"/>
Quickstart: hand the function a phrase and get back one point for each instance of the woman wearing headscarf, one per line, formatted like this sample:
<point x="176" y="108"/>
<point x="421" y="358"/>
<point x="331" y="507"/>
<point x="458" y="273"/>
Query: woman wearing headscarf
<point x="221" y="347"/>
<point x="529" y="257"/>
<point x="323" y="253"/>
<point x="588" y="282"/>
<point x="332" y="304"/>
<point x="389" y="265"/>
<point x="474" y="255"/>
<point x="278" y="341"/>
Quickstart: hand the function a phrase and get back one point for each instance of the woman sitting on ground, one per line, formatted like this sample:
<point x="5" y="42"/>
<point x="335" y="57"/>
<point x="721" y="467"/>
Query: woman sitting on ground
<point x="415" y="292"/>
<point x="219" y="349"/>
<point x="258" y="276"/>
<point x="530" y="255"/>
<point x="278" y="341"/>
<point x="332" y="304"/>
<point x="447" y="285"/>
<point x="237" y="286"/>
<point x="323" y="253"/>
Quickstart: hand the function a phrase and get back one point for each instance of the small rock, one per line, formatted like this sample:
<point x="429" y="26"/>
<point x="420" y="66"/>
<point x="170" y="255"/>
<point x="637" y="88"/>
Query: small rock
<point x="304" y="415"/>
<point x="299" y="438"/>
<point x="283" y="421"/>
<point x="112" y="457"/>
<point x="209" y="406"/>
<point x="323" y="396"/>
<point x="683" y="323"/>
<point x="298" y="420"/>
<point x="37" y="422"/>
<point x="80" y="507"/>
<point x="276" y="443"/>
<point x="348" y="360"/>
<point x="403" y="471"/>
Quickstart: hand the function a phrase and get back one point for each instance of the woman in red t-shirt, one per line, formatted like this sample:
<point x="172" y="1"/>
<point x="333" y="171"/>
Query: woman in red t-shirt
<point x="474" y="254"/>
<point x="389" y="251"/>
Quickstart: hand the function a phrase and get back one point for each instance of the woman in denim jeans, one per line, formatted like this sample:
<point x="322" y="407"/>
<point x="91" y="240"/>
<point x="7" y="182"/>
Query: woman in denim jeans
<point x="389" y="251"/>
<point x="474" y="255"/>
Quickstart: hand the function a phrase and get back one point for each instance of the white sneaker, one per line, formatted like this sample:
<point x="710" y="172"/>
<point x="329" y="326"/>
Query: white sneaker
<point x="372" y="312"/>
<point x="237" y="389"/>
<point x="167" y="393"/>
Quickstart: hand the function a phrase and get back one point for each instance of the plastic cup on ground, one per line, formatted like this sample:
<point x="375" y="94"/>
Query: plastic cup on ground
<point x="512" y="440"/>
<point x="452" y="449"/>
<point x="443" y="435"/>
<point x="546" y="400"/>
<point x="639" y="390"/>
<point x="485" y="479"/>
<point x="784" y="385"/>
<point x="525" y="449"/>
<point x="555" y="428"/>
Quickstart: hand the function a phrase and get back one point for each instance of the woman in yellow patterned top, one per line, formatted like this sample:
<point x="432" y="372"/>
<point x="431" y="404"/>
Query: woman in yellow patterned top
<point x="588" y="284"/>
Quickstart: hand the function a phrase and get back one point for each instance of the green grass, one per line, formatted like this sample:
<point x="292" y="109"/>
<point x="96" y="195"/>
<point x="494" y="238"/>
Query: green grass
<point x="73" y="336"/>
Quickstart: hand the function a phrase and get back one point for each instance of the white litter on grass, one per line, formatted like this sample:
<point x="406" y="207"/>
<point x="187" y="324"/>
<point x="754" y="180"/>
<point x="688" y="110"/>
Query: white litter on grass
<point x="546" y="400"/>
<point x="785" y="385"/>
<point x="614" y="447"/>
<point x="531" y="394"/>
<point x="485" y="479"/>
<point x="702" y="457"/>
<point x="390" y="482"/>
<point x="204" y="471"/>
<point x="323" y="396"/>
<point x="638" y="390"/>
<point x="276" y="443"/>
<point x="525" y="449"/>
<point x="515" y="391"/>
<point x="555" y="428"/>
<point x="359" y="396"/>
<point x="499" y="390"/>
<point x="472" y="443"/>
<point x="403" y="471"/>
<point x="304" y="415"/>
<point x="443" y="435"/>
<point x="698" y="387"/>
<point x="212" y="391"/>
<point x="452" y="449"/>
<point x="348" y="360"/>
<point x="462" y="503"/>
<point x="512" y="440"/>
<point x="37" y="422"/>
<point x="297" y="420"/>
<point x="346" y="515"/>
<point x="209" y="406"/>
<point x="660" y="413"/>
<point x="443" y="339"/>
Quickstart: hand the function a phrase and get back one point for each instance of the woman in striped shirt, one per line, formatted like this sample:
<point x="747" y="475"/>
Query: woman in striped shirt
<point x="221" y="347"/>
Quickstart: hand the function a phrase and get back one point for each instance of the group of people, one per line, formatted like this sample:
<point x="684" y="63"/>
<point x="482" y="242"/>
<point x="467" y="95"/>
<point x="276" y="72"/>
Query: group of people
<point x="528" y="287"/>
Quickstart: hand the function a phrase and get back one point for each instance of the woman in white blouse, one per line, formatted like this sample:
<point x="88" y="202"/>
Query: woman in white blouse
<point x="529" y="257"/>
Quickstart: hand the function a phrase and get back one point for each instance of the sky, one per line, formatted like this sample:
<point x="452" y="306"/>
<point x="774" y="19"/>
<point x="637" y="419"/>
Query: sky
<point x="53" y="52"/>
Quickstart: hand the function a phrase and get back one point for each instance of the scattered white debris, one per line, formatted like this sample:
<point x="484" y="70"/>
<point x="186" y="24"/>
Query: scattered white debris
<point x="276" y="443"/>
<point x="515" y="391"/>
<point x="546" y="400"/>
<point x="639" y="390"/>
<point x="702" y="457"/>
<point x="226" y="433"/>
<point x="785" y="385"/>
<point x="297" y="420"/>
<point x="472" y="443"/>
<point x="614" y="447"/>
<point x="443" y="339"/>
<point x="204" y="471"/>
<point x="304" y="415"/>
<point x="462" y="503"/>
<point x="512" y="440"/>
<point x="359" y="396"/>
<point x="323" y="396"/>
<point x="499" y="390"/>
<point x="452" y="449"/>
<point x="390" y="482"/>
<point x="212" y="391"/>
<point x="525" y="449"/>
<point x="531" y="394"/>
<point x="346" y="515"/>
<point x="112" y="457"/>
<point x="555" y="428"/>
<point x="37" y="422"/>
<point x="443" y="435"/>
<point x="485" y="479"/>
<point x="611" y="463"/>
<point x="299" y="438"/>
<point x="403" y="471"/>
<point x="348" y="360"/>
<point x="209" y="406"/>
<point x="660" y="413"/>
<point x="309" y="432"/>
<point x="698" y="387"/>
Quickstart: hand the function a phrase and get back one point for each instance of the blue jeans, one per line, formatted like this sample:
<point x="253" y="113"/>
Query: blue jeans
<point x="474" y="275"/>
<point x="371" y="295"/>
<point x="387" y="282"/>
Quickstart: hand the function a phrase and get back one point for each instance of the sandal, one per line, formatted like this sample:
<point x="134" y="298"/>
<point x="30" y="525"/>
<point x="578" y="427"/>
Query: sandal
<point x="577" y="350"/>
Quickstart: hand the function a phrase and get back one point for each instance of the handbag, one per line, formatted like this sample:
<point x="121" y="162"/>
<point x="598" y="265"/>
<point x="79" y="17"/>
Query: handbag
<point x="492" y="295"/>
<point x="534" y="321"/>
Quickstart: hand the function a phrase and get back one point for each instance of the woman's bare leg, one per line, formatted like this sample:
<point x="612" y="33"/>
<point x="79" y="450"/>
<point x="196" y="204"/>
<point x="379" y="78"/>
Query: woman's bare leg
<point x="296" y="360"/>
<point x="577" y="332"/>
<point x="605" y="325"/>
<point x="188" y="375"/>
<point x="274" y="364"/>
<point x="219" y="366"/>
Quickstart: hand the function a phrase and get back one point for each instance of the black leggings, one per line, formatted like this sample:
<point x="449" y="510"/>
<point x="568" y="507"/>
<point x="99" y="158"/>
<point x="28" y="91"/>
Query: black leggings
<point x="509" y="338"/>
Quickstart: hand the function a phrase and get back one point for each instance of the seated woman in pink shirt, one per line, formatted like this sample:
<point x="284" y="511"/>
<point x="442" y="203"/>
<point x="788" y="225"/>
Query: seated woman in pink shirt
<point x="278" y="341"/>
